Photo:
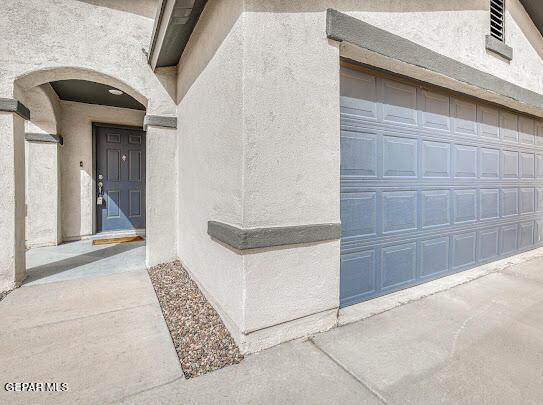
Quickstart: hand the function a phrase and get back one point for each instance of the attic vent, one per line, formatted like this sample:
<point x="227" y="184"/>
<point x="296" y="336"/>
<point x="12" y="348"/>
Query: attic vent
<point x="497" y="12"/>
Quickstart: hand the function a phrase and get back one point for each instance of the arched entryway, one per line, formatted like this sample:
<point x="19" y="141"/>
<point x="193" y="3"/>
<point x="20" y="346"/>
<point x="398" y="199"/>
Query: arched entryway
<point x="85" y="172"/>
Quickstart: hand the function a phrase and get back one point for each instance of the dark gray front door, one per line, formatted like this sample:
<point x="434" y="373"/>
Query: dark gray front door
<point x="120" y="168"/>
<point x="432" y="183"/>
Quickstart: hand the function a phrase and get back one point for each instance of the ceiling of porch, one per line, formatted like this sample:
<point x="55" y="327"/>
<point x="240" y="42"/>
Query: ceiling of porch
<point x="83" y="91"/>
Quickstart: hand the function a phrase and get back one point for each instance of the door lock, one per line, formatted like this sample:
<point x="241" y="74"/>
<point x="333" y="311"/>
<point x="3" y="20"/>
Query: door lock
<point x="100" y="198"/>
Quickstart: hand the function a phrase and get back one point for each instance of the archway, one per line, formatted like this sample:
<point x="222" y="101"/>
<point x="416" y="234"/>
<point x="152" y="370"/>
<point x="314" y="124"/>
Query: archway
<point x="66" y="197"/>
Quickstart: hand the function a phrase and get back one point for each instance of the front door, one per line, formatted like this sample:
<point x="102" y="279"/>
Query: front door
<point x="120" y="178"/>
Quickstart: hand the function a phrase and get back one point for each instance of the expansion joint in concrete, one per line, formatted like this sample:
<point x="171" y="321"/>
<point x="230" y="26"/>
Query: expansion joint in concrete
<point x="367" y="386"/>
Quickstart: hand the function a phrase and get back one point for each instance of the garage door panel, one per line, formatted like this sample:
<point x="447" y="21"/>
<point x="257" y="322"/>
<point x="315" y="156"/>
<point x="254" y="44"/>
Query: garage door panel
<point x="489" y="122"/>
<point x="398" y="265"/>
<point x="489" y="247"/>
<point x="434" y="257"/>
<point x="431" y="184"/>
<point x="489" y="163"/>
<point x="399" y="102"/>
<point x="464" y="161"/>
<point x="464" y="116"/>
<point x="358" y="273"/>
<point x="509" y="238"/>
<point x="508" y="126"/>
<point x="435" y="208"/>
<point x="526" y="234"/>
<point x="436" y="160"/>
<point x="510" y="164"/>
<point x="359" y="214"/>
<point x="526" y="130"/>
<point x="465" y="206"/>
<point x="359" y="95"/>
<point x="435" y="110"/>
<point x="360" y="157"/>
<point x="400" y="156"/>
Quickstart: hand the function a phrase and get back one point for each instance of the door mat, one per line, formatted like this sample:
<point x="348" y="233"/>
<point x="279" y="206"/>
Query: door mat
<point x="117" y="240"/>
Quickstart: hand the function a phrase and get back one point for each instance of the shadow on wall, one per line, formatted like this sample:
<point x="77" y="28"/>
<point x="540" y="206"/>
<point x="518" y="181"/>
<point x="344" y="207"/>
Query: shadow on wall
<point x="144" y="8"/>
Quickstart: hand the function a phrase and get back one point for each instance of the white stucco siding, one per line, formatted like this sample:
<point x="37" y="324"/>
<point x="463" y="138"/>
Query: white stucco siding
<point x="78" y="192"/>
<point x="42" y="160"/>
<point x="210" y="131"/>
<point x="43" y="210"/>
<point x="12" y="215"/>
<point x="101" y="36"/>
<point x="290" y="122"/>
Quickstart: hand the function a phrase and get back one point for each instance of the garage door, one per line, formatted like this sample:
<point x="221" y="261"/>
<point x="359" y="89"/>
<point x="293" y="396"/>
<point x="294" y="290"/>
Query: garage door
<point x="432" y="183"/>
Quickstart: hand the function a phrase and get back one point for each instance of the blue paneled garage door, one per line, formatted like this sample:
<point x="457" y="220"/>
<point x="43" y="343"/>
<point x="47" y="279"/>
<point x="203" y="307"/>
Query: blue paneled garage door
<point x="432" y="183"/>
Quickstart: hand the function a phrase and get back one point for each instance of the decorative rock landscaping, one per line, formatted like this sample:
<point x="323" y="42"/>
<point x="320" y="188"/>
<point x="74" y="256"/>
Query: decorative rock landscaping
<point x="201" y="340"/>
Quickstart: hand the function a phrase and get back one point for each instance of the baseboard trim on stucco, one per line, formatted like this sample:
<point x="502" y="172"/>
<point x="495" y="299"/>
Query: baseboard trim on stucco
<point x="385" y="303"/>
<point x="294" y="329"/>
<point x="254" y="238"/>
<point x="345" y="28"/>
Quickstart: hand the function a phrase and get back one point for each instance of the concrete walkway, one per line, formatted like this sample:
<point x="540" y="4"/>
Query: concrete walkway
<point x="88" y="317"/>
<point x="81" y="259"/>
<point x="480" y="342"/>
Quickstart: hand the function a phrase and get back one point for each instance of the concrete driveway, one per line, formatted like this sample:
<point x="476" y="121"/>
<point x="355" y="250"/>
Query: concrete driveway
<point x="477" y="343"/>
<point x="480" y="342"/>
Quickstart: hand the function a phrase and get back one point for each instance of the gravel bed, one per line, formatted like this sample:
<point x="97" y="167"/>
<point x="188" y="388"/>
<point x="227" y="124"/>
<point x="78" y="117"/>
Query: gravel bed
<point x="201" y="340"/>
<point x="3" y="294"/>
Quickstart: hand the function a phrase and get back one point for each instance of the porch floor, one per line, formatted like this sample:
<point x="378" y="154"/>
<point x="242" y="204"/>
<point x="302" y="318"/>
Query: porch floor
<point x="80" y="259"/>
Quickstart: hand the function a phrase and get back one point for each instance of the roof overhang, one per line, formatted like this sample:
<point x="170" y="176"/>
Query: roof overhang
<point x="535" y="9"/>
<point x="174" y="24"/>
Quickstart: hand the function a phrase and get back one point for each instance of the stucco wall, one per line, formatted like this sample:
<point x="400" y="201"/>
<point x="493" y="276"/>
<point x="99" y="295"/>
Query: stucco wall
<point x="210" y="130"/>
<point x="101" y="36"/>
<point x="42" y="160"/>
<point x="12" y="215"/>
<point x="289" y="130"/>
<point x="43" y="180"/>
<point x="78" y="190"/>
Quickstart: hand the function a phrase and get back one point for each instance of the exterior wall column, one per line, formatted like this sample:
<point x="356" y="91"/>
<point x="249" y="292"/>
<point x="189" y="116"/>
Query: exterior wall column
<point x="161" y="189"/>
<point x="12" y="193"/>
<point x="43" y="220"/>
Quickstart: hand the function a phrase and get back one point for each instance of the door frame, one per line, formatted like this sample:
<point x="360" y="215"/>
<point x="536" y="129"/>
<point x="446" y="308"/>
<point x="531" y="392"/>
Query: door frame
<point x="95" y="126"/>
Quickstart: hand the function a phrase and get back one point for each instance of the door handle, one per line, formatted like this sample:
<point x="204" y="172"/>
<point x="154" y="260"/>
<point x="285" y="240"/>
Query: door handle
<point x="100" y="198"/>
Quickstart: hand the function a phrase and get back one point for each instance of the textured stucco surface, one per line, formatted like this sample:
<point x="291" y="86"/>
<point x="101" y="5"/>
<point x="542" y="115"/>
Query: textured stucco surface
<point x="78" y="189"/>
<point x="210" y="131"/>
<point x="42" y="161"/>
<point x="82" y="40"/>
<point x="43" y="209"/>
<point x="161" y="194"/>
<point x="12" y="211"/>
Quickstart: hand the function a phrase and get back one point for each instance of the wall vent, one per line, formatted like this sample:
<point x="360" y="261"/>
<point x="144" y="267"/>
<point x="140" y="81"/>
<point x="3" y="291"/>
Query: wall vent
<point x="497" y="19"/>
